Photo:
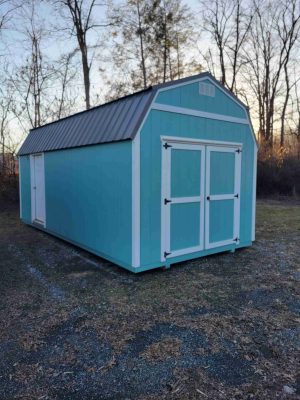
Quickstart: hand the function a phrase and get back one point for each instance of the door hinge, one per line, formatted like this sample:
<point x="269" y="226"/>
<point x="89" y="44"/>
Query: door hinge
<point x="166" y="254"/>
<point x="166" y="201"/>
<point x="236" y="239"/>
<point x="166" y="145"/>
<point x="238" y="151"/>
<point x="236" y="195"/>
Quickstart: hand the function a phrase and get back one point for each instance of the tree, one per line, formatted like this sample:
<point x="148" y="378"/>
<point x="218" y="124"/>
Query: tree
<point x="228" y="23"/>
<point x="272" y="37"/>
<point x="288" y="27"/>
<point x="79" y="15"/>
<point x="30" y="80"/>
<point x="150" y="42"/>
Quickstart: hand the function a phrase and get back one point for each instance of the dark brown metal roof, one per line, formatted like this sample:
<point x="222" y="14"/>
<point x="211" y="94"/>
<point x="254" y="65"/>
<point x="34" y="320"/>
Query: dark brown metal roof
<point x="114" y="121"/>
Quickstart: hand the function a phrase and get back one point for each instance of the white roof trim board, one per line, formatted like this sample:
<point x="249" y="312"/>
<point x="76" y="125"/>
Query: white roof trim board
<point x="114" y="121"/>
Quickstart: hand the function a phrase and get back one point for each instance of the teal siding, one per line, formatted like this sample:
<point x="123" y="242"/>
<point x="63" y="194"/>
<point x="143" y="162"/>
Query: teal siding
<point x="88" y="198"/>
<point x="24" y="166"/>
<point x="161" y="123"/>
<point x="188" y="97"/>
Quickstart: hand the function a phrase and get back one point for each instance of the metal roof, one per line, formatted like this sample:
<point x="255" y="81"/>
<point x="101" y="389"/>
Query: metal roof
<point x="110" y="122"/>
<point x="114" y="121"/>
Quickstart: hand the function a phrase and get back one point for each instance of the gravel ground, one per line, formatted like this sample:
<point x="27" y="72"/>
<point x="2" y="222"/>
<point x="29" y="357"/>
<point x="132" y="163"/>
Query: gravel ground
<point x="74" y="326"/>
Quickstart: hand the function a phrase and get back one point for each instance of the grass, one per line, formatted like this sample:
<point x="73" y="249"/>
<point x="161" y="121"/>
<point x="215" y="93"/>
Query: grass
<point x="74" y="326"/>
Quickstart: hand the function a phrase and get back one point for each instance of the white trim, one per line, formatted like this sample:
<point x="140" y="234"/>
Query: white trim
<point x="20" y="190"/>
<point x="196" y="113"/>
<point x="221" y="196"/>
<point x="166" y="193"/>
<point x="176" y="139"/>
<point x="192" y="199"/>
<point x="136" y="201"/>
<point x="32" y="189"/>
<point x="254" y="195"/>
<point x="237" y="190"/>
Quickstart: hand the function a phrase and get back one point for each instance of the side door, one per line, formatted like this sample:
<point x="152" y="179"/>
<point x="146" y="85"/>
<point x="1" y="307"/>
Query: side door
<point x="182" y="202"/>
<point x="38" y="188"/>
<point x="222" y="208"/>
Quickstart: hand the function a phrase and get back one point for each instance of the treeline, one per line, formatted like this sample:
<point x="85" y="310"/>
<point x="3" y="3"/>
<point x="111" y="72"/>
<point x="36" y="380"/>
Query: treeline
<point x="60" y="56"/>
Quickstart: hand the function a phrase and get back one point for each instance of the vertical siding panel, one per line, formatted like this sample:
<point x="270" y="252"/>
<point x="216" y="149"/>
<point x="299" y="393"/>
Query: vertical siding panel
<point x="88" y="197"/>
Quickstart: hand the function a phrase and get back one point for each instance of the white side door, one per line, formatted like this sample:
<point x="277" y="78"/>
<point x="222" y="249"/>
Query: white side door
<point x="38" y="189"/>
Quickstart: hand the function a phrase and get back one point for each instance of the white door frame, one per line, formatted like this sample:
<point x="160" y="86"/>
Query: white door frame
<point x="181" y="144"/>
<point x="205" y="161"/>
<point x="33" y="188"/>
<point x="237" y="150"/>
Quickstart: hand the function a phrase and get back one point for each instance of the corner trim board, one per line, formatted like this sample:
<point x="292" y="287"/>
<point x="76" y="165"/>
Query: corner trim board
<point x="136" y="201"/>
<point x="20" y="190"/>
<point x="254" y="194"/>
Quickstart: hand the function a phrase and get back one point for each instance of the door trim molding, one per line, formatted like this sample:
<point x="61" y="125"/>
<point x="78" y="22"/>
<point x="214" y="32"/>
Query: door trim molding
<point x="176" y="139"/>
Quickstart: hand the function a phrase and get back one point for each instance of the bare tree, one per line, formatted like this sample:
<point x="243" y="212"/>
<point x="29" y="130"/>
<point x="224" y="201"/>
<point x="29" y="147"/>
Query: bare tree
<point x="33" y="78"/>
<point x="64" y="101"/>
<point x="150" y="43"/>
<point x="273" y="34"/>
<point x="288" y="27"/>
<point x="228" y="23"/>
<point x="80" y="13"/>
<point x="5" y="108"/>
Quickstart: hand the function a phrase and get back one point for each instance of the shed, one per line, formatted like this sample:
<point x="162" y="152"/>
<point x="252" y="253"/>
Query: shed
<point x="164" y="175"/>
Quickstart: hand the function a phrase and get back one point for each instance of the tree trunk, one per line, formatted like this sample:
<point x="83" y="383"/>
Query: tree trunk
<point x="143" y="64"/>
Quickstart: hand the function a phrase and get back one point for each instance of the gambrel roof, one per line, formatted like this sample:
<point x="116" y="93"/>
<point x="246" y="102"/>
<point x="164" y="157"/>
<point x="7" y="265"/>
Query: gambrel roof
<point x="114" y="121"/>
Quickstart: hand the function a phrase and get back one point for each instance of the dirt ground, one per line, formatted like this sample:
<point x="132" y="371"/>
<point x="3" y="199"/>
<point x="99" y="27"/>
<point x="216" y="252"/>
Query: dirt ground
<point x="73" y="326"/>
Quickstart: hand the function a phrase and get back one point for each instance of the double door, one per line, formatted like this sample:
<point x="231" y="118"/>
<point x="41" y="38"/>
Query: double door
<point x="200" y="197"/>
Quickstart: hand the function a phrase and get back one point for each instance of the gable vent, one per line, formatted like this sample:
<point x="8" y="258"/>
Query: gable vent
<point x="206" y="89"/>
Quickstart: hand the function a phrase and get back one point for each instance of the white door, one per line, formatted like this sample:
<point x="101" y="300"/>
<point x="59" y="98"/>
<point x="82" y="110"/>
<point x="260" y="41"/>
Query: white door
<point x="182" y="202"/>
<point x="222" y="192"/>
<point x="38" y="189"/>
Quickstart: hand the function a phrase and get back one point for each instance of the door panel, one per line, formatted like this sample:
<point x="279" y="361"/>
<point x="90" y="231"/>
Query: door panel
<point x="185" y="225"/>
<point x="222" y="196"/>
<point x="185" y="173"/>
<point x="182" y="199"/>
<point x="222" y="165"/>
<point x="221" y="215"/>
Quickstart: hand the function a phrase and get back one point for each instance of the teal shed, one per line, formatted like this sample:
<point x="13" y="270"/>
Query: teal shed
<point x="164" y="175"/>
